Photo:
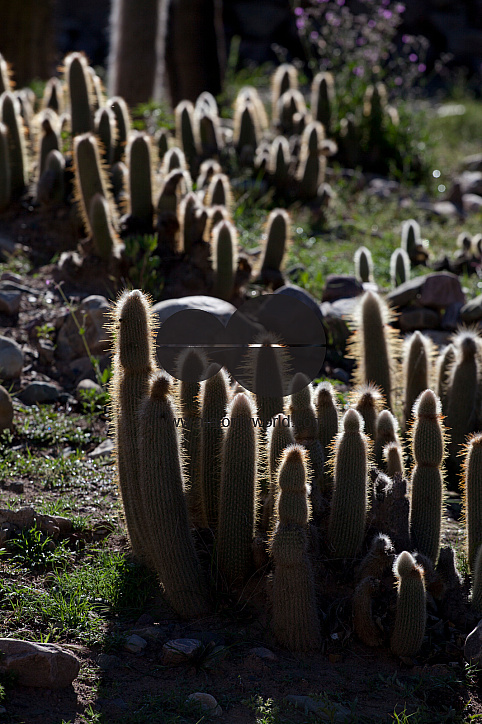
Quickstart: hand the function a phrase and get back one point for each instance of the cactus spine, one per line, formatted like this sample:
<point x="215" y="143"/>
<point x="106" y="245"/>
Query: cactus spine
<point x="89" y="175"/>
<point x="445" y="362"/>
<point x="224" y="259"/>
<point x="277" y="239"/>
<point x="473" y="497"/>
<point x="238" y="499"/>
<point x="463" y="396"/>
<point x="363" y="264"/>
<point x="346" y="526"/>
<point x="123" y="125"/>
<point x="49" y="139"/>
<point x="368" y="401"/>
<point x="133" y="369"/>
<point x="411" y="614"/>
<point x="427" y="482"/>
<point x="17" y="147"/>
<point x="322" y="99"/>
<point x="311" y="169"/>
<point x="215" y="396"/>
<point x="417" y="368"/>
<point x="387" y="429"/>
<point x="219" y="191"/>
<point x="165" y="524"/>
<point x="106" y="242"/>
<point x="411" y="237"/>
<point x="279" y="437"/>
<point x="5" y="176"/>
<point x="399" y="267"/>
<point x="295" y="616"/>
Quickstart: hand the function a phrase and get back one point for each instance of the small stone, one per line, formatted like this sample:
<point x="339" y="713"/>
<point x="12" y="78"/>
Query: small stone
<point x="179" y="651"/>
<point x="472" y="310"/>
<point x="6" y="409"/>
<point x="473" y="162"/>
<point x="263" y="653"/>
<point x="65" y="525"/>
<point x="472" y="203"/>
<point x="10" y="302"/>
<point x="106" y="447"/>
<point x="46" y="351"/>
<point x="11" y="358"/>
<point x="107" y="662"/>
<point x="440" y="290"/>
<point x="42" y="665"/>
<point x="471" y="182"/>
<point x="87" y="386"/>
<point x="451" y="317"/>
<point x="39" y="392"/>
<point x="135" y="644"/>
<point x="145" y="619"/>
<point x="206" y="702"/>
<point x="325" y="712"/>
<point x="473" y="645"/>
<point x="149" y="633"/>
<point x="341" y="286"/>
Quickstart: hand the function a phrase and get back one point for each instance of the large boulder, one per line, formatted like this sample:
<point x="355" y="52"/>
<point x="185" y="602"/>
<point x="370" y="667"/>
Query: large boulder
<point x="341" y="286"/>
<point x="437" y="290"/>
<point x="41" y="665"/>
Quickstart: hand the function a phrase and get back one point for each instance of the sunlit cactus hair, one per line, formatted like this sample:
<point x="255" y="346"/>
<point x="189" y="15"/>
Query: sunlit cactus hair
<point x="106" y="132"/>
<point x="53" y="96"/>
<point x="472" y="496"/>
<point x="291" y="107"/>
<point x="399" y="267"/>
<point x="363" y="264"/>
<point x="323" y="98"/>
<point x="249" y="93"/>
<point x="48" y="137"/>
<point x="375" y="345"/>
<point x="219" y="191"/>
<point x="284" y="78"/>
<point x="123" y="126"/>
<point x="418" y="354"/>
<point x="5" y="76"/>
<point x="173" y="159"/>
<point x="387" y="432"/>
<point x="278" y="235"/>
<point x="206" y="101"/>
<point x="411" y="237"/>
<point x="215" y="215"/>
<point x="208" y="134"/>
<point x="368" y="400"/>
<point x="411" y="614"/>
<point x="80" y="86"/>
<point x="208" y="169"/>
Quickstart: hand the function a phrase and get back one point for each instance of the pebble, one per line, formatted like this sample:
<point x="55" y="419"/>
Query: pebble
<point x="325" y="712"/>
<point x="93" y="315"/>
<point x="11" y="358"/>
<point x="135" y="644"/>
<point x="263" y="653"/>
<point x="39" y="392"/>
<point x="179" y="651"/>
<point x="87" y="385"/>
<point x="106" y="447"/>
<point x="207" y="703"/>
<point x="149" y="633"/>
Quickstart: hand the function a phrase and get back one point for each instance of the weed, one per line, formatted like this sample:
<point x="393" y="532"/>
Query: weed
<point x="32" y="550"/>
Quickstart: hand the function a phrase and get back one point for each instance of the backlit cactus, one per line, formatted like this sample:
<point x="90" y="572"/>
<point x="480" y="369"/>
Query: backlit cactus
<point x="279" y="437"/>
<point x="322" y="99"/>
<point x="5" y="176"/>
<point x="17" y="147"/>
<point x="106" y="242"/>
<point x="473" y="497"/>
<point x="183" y="114"/>
<point x="79" y="83"/>
<point x="363" y="621"/>
<point x="411" y="237"/>
<point x="363" y="264"/>
<point x="123" y="126"/>
<point x="138" y="154"/>
<point x="411" y="615"/>
<point x="463" y="395"/>
<point x="368" y="401"/>
<point x="387" y="432"/>
<point x="444" y="364"/>
<point x="277" y="239"/>
<point x="225" y="254"/>
<point x="399" y="267"/>
<point x="105" y="129"/>
<point x="417" y="369"/>
<point x="284" y="78"/>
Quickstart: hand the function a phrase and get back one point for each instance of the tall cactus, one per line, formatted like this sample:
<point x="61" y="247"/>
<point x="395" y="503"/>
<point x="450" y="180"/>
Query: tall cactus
<point x="445" y="362"/>
<point x="327" y="412"/>
<point x="49" y="138"/>
<point x="346" y="527"/>
<point x="239" y="495"/>
<point x="225" y="257"/>
<point x="312" y="164"/>
<point x="133" y="369"/>
<point x="183" y="115"/>
<point x="5" y="176"/>
<point x="322" y="99"/>
<point x="411" y="237"/>
<point x="473" y="497"/>
<point x="284" y="78"/>
<point x="427" y="481"/>
<point x="279" y="437"/>
<point x="363" y="264"/>
<point x="463" y="395"/>
<point x="140" y="181"/>
<point x="79" y="83"/>
<point x="106" y="242"/>
<point x="411" y="615"/>
<point x="399" y="267"/>
<point x="295" y="616"/>
<point x="105" y="129"/>
<point x="417" y="369"/>
<point x="123" y="125"/>
<point x="17" y="147"/>
<point x="277" y="239"/>
<point x="368" y="401"/>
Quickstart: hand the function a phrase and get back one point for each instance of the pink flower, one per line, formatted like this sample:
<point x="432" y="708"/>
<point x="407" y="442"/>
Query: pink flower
<point x="398" y="81"/>
<point x="413" y="57"/>
<point x="299" y="11"/>
<point x="422" y="67"/>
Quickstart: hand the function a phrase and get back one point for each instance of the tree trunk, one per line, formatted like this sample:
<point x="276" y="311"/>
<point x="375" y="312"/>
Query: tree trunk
<point x="26" y="39"/>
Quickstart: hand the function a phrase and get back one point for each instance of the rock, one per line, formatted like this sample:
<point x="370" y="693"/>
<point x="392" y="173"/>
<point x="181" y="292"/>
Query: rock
<point x="303" y="296"/>
<point x="444" y="208"/>
<point x="437" y="290"/>
<point x="106" y="447"/>
<point x="93" y="315"/>
<point x="149" y="633"/>
<point x="341" y="286"/>
<point x="106" y="662"/>
<point x="325" y="712"/>
<point x="145" y="619"/>
<point x="472" y="203"/>
<point x="206" y="702"/>
<point x="473" y="645"/>
<point x="179" y="651"/>
<point x="471" y="182"/>
<point x="418" y="318"/>
<point x="34" y="664"/>
<point x="438" y="337"/>
<point x="451" y="317"/>
<point x="220" y="309"/>
<point x="46" y="351"/>
<point x="87" y="385"/>
<point x="39" y="392"/>
<point x="473" y="162"/>
<point x="16" y="486"/>
<point x="46" y="524"/>
<point x="135" y="644"/>
<point x="382" y="187"/>
<point x="11" y="358"/>
<point x="22" y="518"/>
<point x="10" y="302"/>
<point x="64" y="525"/>
<point x="472" y="310"/>
<point x="341" y="375"/>
<point x="263" y="653"/>
<point x="6" y="409"/>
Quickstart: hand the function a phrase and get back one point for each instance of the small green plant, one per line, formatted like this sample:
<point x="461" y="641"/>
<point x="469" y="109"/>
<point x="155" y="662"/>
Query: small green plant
<point x="32" y="550"/>
<point x="144" y="272"/>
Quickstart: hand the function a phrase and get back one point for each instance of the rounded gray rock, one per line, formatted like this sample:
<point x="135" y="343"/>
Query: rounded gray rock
<point x="11" y="358"/>
<point x="40" y="392"/>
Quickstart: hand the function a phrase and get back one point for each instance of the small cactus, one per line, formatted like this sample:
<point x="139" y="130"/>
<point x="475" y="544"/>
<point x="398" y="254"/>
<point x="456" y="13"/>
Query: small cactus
<point x="393" y="458"/>
<point x="207" y="170"/>
<point x="387" y="432"/>
<point x="312" y="164"/>
<point x="411" y="237"/>
<point x="54" y="95"/>
<point x="327" y="412"/>
<point x="411" y="615"/>
<point x="106" y="242"/>
<point x="346" y="527"/>
<point x="123" y="125"/>
<point x="445" y="362"/>
<point x="246" y="133"/>
<point x="49" y="138"/>
<point x="90" y="178"/>
<point x="463" y="396"/>
<point x="295" y="617"/>
<point x="238" y="497"/>
<point x="17" y="147"/>
<point x="5" y="81"/>
<point x="363" y="264"/>
<point x="225" y="254"/>
<point x="183" y="115"/>
<point x="427" y="481"/>
<point x="207" y="134"/>
<point x="105" y="129"/>
<point x="219" y="191"/>
<point x="192" y="221"/>
<point x="417" y="369"/>
<point x="399" y="267"/>
<point x="363" y="622"/>
<point x="277" y="239"/>
<point x="279" y="162"/>
<point x="380" y="556"/>
<point x="283" y="79"/>
<point x="279" y="437"/>
<point x="173" y="159"/>
<point x="140" y="182"/>
<point x="368" y="401"/>
<point x="51" y="184"/>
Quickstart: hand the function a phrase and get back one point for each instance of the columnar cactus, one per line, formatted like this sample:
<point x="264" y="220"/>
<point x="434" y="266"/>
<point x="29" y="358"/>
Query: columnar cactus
<point x="374" y="347"/>
<point x="295" y="616"/>
<point x="54" y="95"/>
<point x="463" y="396"/>
<point x="427" y="481"/>
<point x="249" y="94"/>
<point x="346" y="527"/>
<point x="387" y="432"/>
<point x="322" y="99"/>
<point x="165" y="525"/>
<point x="279" y="162"/>
<point x="5" y="175"/>
<point x="105" y="129"/>
<point x="368" y="401"/>
<point x="380" y="556"/>
<point x="277" y="239"/>
<point x="363" y="622"/>
<point x="279" y="437"/>
<point x="207" y="134"/>
<point x="417" y="369"/>
<point x="269" y="378"/>
<point x="214" y="399"/>
<point x="393" y="458"/>
<point x="239" y="496"/>
<point x="133" y="369"/>
<point x="445" y="362"/>
<point x="140" y="182"/>
<point x="161" y="138"/>
<point x="284" y="78"/>
<point x="79" y="83"/>
<point x="207" y="170"/>
<point x="411" y="615"/>
<point x="49" y="138"/>
<point x="183" y="114"/>
<point x="246" y="133"/>
<point x="363" y="264"/>
<point x="106" y="242"/>
<point x="173" y="159"/>
<point x="476" y="595"/>
<point x="5" y="82"/>
<point x="123" y="123"/>
<point x="292" y="113"/>
<point x="473" y="497"/>
<point x="225" y="255"/>
<point x="17" y="147"/>
<point x="90" y="178"/>
<point x="399" y="267"/>
<point x="327" y="412"/>
<point x="411" y="237"/>
<point x="219" y="191"/>
<point x="192" y="221"/>
<point x="167" y="202"/>
<point x="312" y="164"/>
<point x="51" y="184"/>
